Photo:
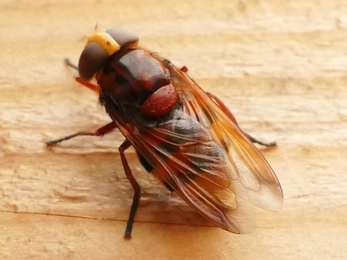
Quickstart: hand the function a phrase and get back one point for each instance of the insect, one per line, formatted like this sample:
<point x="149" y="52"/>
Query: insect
<point x="186" y="137"/>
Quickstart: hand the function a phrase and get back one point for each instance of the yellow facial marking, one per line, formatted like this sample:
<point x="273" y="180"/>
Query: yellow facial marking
<point x="105" y="41"/>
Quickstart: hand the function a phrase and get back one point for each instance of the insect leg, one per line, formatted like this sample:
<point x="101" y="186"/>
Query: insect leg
<point x="137" y="190"/>
<point x="70" y="64"/>
<point x="184" y="69"/>
<point x="232" y="118"/>
<point x="87" y="84"/>
<point x="101" y="131"/>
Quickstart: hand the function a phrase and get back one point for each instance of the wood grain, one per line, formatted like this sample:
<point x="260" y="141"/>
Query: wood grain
<point x="280" y="66"/>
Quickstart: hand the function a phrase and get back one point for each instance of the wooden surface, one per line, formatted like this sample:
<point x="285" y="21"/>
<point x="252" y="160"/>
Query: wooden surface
<point x="280" y="66"/>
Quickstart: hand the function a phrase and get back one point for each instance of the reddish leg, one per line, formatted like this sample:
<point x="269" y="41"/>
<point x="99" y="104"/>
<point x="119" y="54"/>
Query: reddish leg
<point x="184" y="69"/>
<point x="125" y="145"/>
<point x="101" y="131"/>
<point x="87" y="84"/>
<point x="137" y="190"/>
<point x="232" y="118"/>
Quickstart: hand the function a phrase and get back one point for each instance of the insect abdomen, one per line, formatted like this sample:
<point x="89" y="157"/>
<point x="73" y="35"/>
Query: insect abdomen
<point x="188" y="140"/>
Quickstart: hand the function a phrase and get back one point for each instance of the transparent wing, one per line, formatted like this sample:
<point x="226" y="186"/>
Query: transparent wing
<point x="253" y="171"/>
<point x="207" y="160"/>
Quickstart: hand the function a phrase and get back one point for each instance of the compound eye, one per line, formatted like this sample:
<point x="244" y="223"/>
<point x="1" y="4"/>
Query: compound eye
<point x="123" y="36"/>
<point x="91" y="59"/>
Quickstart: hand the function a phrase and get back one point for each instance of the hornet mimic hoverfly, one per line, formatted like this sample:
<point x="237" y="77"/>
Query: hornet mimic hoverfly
<point x="186" y="137"/>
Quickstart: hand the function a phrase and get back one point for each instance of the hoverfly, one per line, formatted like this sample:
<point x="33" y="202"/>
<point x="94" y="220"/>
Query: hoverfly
<point x="186" y="137"/>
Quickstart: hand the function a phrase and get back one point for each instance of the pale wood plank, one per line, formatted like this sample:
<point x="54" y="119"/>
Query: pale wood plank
<point x="279" y="65"/>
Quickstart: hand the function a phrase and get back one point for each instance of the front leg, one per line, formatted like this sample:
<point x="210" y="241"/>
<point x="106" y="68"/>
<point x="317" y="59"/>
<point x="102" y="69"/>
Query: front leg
<point x="99" y="132"/>
<point x="94" y="87"/>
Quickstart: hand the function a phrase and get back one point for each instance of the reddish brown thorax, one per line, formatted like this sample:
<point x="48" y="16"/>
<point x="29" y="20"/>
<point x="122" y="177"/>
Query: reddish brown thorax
<point x="136" y="76"/>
